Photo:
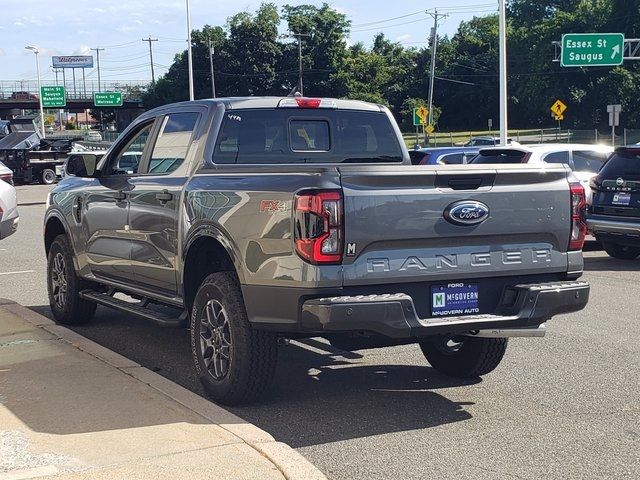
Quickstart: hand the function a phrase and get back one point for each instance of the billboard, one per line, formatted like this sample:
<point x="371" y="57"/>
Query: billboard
<point x="72" y="61"/>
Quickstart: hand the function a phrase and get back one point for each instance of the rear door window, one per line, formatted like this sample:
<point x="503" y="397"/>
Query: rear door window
<point x="276" y="136"/>
<point x="173" y="142"/>
<point x="588" y="160"/>
<point x="500" y="157"/>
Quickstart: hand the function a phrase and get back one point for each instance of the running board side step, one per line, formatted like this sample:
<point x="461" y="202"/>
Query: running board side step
<point x="137" y="309"/>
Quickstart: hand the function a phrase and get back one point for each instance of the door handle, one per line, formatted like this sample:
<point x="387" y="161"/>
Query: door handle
<point x="120" y="196"/>
<point x="164" y="196"/>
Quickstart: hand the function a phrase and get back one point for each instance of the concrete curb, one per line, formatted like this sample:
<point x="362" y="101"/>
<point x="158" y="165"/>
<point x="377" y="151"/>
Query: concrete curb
<point x="292" y="465"/>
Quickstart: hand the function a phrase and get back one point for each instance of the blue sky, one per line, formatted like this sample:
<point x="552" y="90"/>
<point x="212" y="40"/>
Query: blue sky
<point x="71" y="27"/>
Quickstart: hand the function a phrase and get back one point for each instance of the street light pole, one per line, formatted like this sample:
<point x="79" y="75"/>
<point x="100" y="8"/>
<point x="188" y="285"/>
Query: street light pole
<point x="189" y="55"/>
<point x="37" y="52"/>
<point x="213" y="77"/>
<point x="503" y="74"/>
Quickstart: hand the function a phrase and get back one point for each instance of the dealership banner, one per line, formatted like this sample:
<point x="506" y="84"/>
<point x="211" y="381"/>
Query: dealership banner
<point x="72" y="61"/>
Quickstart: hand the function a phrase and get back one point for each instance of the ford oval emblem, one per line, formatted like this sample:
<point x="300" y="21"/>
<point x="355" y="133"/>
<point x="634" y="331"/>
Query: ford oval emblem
<point x="466" y="212"/>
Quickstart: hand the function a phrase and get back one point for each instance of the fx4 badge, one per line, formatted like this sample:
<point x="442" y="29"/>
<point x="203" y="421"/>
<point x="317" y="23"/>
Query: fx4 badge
<point x="273" y="206"/>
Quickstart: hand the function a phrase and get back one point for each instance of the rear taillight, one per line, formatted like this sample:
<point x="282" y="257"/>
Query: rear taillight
<point x="578" y="222"/>
<point x="318" y="226"/>
<point x="7" y="177"/>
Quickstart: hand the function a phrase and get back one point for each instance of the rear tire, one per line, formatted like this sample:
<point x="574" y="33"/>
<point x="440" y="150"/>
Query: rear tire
<point x="234" y="362"/>
<point x="64" y="286"/>
<point x="621" y="252"/>
<point x="468" y="358"/>
<point x="47" y="177"/>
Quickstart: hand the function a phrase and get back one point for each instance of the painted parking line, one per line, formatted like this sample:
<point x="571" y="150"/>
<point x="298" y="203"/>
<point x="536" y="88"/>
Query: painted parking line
<point x="18" y="272"/>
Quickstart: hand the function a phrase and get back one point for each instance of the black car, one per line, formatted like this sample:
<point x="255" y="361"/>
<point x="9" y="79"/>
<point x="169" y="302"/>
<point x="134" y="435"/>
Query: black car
<point x="614" y="214"/>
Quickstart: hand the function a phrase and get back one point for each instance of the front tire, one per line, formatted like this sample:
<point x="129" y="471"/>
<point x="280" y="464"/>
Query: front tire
<point x="234" y="362"/>
<point x="621" y="252"/>
<point x="464" y="357"/>
<point x="64" y="286"/>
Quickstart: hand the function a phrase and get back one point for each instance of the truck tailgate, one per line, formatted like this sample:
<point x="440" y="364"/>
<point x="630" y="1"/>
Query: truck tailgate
<point x="396" y="231"/>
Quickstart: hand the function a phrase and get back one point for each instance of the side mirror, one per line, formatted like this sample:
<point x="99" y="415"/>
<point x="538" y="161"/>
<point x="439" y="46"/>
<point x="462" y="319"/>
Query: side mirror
<point x="82" y="164"/>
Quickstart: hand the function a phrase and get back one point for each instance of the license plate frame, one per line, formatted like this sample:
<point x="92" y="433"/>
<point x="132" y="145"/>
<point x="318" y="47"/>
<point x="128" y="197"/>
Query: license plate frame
<point x="455" y="299"/>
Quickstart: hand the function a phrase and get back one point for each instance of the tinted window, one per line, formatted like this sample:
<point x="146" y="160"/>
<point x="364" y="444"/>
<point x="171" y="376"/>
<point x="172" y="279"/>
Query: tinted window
<point x="173" y="142"/>
<point x="305" y="136"/>
<point x="309" y="135"/>
<point x="588" y="161"/>
<point x="500" y="156"/>
<point x="621" y="164"/>
<point x="452" y="159"/>
<point x="418" y="157"/>
<point x="557" y="157"/>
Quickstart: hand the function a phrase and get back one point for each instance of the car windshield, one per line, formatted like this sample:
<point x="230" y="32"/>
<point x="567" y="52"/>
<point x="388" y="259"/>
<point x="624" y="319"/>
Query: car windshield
<point x="500" y="156"/>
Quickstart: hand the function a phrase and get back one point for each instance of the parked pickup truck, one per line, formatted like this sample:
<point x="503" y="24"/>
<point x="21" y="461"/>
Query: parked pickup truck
<point x="256" y="220"/>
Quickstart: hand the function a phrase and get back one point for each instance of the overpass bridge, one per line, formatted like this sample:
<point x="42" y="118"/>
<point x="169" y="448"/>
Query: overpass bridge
<point x="18" y="95"/>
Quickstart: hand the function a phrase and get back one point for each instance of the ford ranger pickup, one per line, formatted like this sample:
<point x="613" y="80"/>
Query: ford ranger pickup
<point x="257" y="220"/>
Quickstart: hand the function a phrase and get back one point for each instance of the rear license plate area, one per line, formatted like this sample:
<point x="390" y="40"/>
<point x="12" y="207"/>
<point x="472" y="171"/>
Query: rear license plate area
<point x="455" y="299"/>
<point x="621" y="198"/>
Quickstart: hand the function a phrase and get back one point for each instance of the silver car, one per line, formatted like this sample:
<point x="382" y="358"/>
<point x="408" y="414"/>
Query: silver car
<point x="8" y="210"/>
<point x="6" y="174"/>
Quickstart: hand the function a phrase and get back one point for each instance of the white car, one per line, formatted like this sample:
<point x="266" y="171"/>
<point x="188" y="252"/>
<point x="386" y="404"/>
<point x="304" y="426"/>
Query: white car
<point x="6" y="174"/>
<point x="584" y="160"/>
<point x="8" y="210"/>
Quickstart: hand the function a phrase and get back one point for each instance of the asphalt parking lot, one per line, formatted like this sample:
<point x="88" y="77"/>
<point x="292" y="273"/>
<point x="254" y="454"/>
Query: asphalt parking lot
<point x="566" y="406"/>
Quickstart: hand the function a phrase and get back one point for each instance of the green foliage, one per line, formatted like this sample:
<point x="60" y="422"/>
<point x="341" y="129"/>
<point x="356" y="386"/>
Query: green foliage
<point x="251" y="58"/>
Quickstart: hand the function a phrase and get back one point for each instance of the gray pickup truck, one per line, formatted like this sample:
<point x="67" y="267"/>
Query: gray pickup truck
<point x="257" y="220"/>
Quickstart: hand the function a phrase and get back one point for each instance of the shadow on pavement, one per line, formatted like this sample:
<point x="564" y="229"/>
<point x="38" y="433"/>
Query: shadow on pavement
<point x="608" y="264"/>
<point x="320" y="394"/>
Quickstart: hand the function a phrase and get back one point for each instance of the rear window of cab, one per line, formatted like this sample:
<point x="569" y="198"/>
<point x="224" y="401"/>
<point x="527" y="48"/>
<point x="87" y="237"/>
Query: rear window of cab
<point x="285" y="135"/>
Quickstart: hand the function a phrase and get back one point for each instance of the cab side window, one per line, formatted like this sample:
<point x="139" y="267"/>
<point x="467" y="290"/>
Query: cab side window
<point x="127" y="160"/>
<point x="172" y="144"/>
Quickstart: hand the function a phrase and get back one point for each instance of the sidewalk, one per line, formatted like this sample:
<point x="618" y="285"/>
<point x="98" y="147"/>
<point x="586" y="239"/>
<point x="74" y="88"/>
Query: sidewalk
<point x="72" y="409"/>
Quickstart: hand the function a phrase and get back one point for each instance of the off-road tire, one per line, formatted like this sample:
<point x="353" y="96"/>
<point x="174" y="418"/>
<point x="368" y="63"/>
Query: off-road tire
<point x="74" y="310"/>
<point x="47" y="177"/>
<point x="621" y="252"/>
<point x="474" y="357"/>
<point x="252" y="353"/>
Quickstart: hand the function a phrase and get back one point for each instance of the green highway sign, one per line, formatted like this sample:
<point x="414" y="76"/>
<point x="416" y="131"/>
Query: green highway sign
<point x="107" y="99"/>
<point x="53" y="97"/>
<point x="592" y="49"/>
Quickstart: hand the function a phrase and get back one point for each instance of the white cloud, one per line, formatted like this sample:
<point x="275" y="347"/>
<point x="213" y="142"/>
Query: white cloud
<point x="82" y="50"/>
<point x="403" y="38"/>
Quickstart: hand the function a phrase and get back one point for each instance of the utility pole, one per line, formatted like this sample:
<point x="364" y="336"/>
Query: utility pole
<point x="503" y="72"/>
<point x="434" y="43"/>
<point x="189" y="53"/>
<point x="299" y="37"/>
<point x="153" y="76"/>
<point x="213" y="78"/>
<point x="97" y="50"/>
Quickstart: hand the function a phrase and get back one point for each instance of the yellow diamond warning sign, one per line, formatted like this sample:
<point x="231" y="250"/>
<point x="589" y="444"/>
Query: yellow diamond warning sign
<point x="558" y="108"/>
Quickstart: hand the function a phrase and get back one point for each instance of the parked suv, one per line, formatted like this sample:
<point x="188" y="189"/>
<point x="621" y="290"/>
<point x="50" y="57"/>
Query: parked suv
<point x="255" y="219"/>
<point x="614" y="214"/>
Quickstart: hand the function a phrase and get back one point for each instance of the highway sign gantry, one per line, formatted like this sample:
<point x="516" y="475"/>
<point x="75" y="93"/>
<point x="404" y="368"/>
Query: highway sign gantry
<point x="420" y="116"/>
<point x="53" y="96"/>
<point x="107" y="99"/>
<point x="558" y="108"/>
<point x="592" y="49"/>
